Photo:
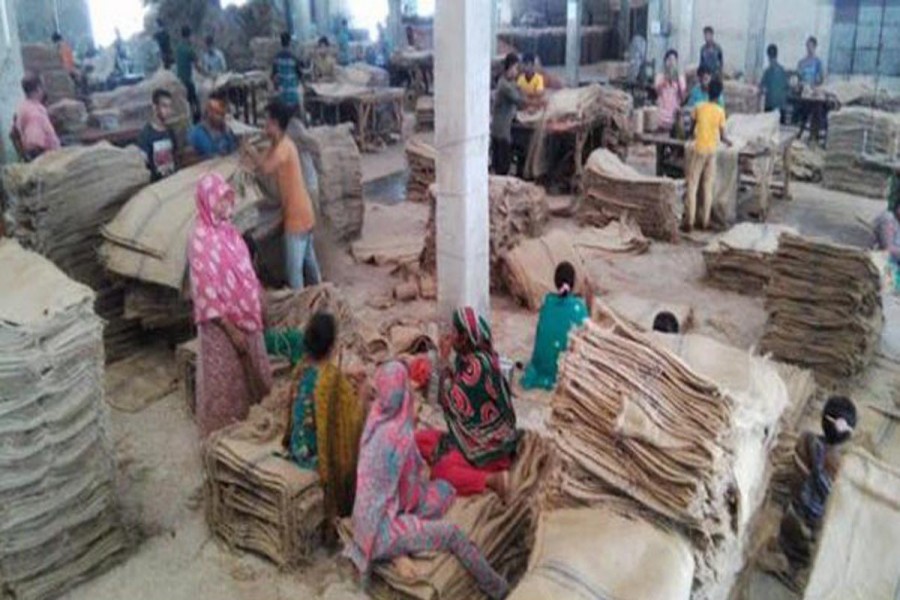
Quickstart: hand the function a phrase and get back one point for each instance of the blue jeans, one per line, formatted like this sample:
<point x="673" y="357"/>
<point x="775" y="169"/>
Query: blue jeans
<point x="301" y="266"/>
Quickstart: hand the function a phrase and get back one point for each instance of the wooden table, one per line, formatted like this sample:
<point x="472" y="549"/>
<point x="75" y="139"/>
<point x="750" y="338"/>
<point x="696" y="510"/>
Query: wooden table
<point x="587" y="137"/>
<point x="365" y="108"/>
<point x="670" y="161"/>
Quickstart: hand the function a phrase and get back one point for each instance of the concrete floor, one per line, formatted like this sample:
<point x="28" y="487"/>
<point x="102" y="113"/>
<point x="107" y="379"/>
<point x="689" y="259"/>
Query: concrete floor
<point x="158" y="453"/>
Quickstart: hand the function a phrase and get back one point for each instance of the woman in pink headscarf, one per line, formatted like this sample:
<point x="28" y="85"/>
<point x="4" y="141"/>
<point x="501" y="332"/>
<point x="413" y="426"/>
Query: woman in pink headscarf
<point x="233" y="368"/>
<point x="397" y="508"/>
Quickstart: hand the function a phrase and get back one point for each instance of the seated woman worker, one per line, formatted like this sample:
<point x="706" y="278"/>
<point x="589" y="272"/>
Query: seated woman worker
<point x="325" y="418"/>
<point x="477" y="451"/>
<point x="562" y="310"/>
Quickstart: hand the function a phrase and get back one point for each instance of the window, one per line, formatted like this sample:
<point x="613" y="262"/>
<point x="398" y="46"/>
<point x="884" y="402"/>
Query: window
<point x="865" y="38"/>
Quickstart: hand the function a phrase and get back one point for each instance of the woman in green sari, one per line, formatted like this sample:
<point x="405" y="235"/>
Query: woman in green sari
<point x="562" y="310"/>
<point x="325" y="418"/>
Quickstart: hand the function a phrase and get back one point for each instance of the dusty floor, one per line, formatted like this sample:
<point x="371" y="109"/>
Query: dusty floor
<point x="158" y="453"/>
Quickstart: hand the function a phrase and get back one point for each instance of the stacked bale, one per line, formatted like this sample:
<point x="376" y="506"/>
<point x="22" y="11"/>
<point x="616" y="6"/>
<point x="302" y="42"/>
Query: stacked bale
<point x="68" y="116"/>
<point x="44" y="60"/>
<point x="824" y="306"/>
<point x="421" y="158"/>
<point x="58" y="205"/>
<point x="853" y="132"/>
<point x="134" y="103"/>
<point x="740" y="260"/>
<point x="60" y="521"/>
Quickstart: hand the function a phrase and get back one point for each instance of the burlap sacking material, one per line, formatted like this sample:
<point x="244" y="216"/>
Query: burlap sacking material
<point x="824" y="306"/>
<point x="740" y="260"/>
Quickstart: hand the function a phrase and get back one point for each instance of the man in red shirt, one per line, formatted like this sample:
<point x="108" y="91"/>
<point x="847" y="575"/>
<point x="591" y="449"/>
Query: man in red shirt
<point x="33" y="132"/>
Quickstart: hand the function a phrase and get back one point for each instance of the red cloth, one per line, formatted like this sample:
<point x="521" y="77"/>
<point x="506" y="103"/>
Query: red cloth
<point x="453" y="466"/>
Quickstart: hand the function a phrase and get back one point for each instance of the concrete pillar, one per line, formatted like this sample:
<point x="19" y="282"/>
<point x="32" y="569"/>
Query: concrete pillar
<point x="573" y="40"/>
<point x="323" y="16"/>
<point x="302" y="19"/>
<point x="10" y="76"/>
<point x="462" y="68"/>
<point x="395" y="24"/>
<point x="755" y="59"/>
<point x="495" y="24"/>
<point x="624" y="25"/>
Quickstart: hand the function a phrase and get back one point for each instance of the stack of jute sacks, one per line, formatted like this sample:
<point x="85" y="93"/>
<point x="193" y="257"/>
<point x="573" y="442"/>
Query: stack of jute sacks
<point x="60" y="521"/>
<point x="740" y="260"/>
<point x="741" y="98"/>
<point x="824" y="306"/>
<point x="338" y="165"/>
<point x="613" y="189"/>
<point x="421" y="157"/>
<point x="853" y="132"/>
<point x="44" y="60"/>
<point x="133" y="105"/>
<point x="425" y="113"/>
<point x="518" y="210"/>
<point x="58" y="205"/>
<point x="675" y="430"/>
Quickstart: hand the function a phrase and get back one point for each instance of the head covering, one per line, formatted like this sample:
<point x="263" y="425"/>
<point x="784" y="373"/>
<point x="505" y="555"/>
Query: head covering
<point x="223" y="283"/>
<point x="477" y="404"/>
<point x="391" y="478"/>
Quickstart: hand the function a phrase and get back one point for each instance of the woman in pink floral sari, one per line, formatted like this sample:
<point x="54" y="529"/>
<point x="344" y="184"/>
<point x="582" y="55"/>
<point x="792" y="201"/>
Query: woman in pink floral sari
<point x="233" y="368"/>
<point x="397" y="509"/>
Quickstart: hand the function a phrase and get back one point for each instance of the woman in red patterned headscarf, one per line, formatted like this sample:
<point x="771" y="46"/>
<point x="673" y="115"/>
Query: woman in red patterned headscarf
<point x="233" y="368"/>
<point x="476" y="452"/>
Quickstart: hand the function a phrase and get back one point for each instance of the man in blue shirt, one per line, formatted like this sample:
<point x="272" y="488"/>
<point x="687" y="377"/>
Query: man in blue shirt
<point x="212" y="136"/>
<point x="700" y="92"/>
<point x="286" y="74"/>
<point x="812" y="75"/>
<point x="711" y="55"/>
<point x="343" y="43"/>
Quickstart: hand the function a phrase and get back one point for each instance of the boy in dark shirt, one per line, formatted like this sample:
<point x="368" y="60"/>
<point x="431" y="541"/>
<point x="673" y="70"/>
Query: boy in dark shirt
<point x="286" y="74"/>
<point x="185" y="59"/>
<point x="157" y="141"/>
<point x="774" y="85"/>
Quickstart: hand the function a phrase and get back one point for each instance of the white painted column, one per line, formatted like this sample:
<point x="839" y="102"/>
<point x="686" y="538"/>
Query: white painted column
<point x="495" y="24"/>
<point x="395" y="24"/>
<point x="573" y="41"/>
<point x="302" y="19"/>
<point x="462" y="68"/>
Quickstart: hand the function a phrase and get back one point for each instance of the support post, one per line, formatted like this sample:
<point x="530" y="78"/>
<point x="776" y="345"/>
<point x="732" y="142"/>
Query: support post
<point x="462" y="109"/>
<point x="395" y="24"/>
<point x="573" y="41"/>
<point x="495" y="23"/>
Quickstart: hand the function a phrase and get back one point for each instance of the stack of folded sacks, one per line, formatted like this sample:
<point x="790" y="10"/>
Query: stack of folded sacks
<point x="44" y="60"/>
<point x="632" y="422"/>
<point x="338" y="165"/>
<point x="60" y="521"/>
<point x="672" y="429"/>
<point x="425" y="113"/>
<point x="421" y="158"/>
<point x="612" y="189"/>
<point x="504" y="533"/>
<point x="518" y="211"/>
<point x="741" y="98"/>
<point x="58" y="205"/>
<point x="852" y="132"/>
<point x="257" y="499"/>
<point x="824" y="306"/>
<point x="740" y="260"/>
<point x="68" y="116"/>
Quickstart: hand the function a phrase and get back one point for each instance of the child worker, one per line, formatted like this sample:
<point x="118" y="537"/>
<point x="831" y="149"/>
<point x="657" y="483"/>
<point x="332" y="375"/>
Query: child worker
<point x="707" y="130"/>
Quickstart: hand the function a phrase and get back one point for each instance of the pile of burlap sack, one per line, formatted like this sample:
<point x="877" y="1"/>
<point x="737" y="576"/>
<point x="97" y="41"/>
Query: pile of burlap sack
<point x="852" y="132"/>
<point x="132" y="105"/>
<point x="741" y="97"/>
<point x="673" y="430"/>
<point x="338" y="166"/>
<point x="421" y="158"/>
<point x="824" y="306"/>
<point x="425" y="113"/>
<point x="613" y="189"/>
<point x="549" y="43"/>
<point x="518" y="210"/>
<point x="44" y="60"/>
<point x="68" y="116"/>
<point x="58" y="204"/>
<point x="740" y="260"/>
<point x="60" y="521"/>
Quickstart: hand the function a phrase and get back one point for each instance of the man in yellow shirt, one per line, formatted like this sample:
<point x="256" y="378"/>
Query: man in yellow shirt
<point x="530" y="82"/>
<point x="708" y="128"/>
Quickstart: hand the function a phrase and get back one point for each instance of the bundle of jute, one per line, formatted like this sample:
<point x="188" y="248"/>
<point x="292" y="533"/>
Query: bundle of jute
<point x="257" y="500"/>
<point x="421" y="157"/>
<point x="60" y="202"/>
<point x="68" y="116"/>
<point x="135" y="102"/>
<point x="740" y="259"/>
<point x="824" y="306"/>
<point x="853" y="132"/>
<point x="338" y="166"/>
<point x="61" y="521"/>
<point x="518" y="210"/>
<point x="741" y="97"/>
<point x="425" y="113"/>
<point x="503" y="532"/>
<point x="612" y="189"/>
<point x="44" y="60"/>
